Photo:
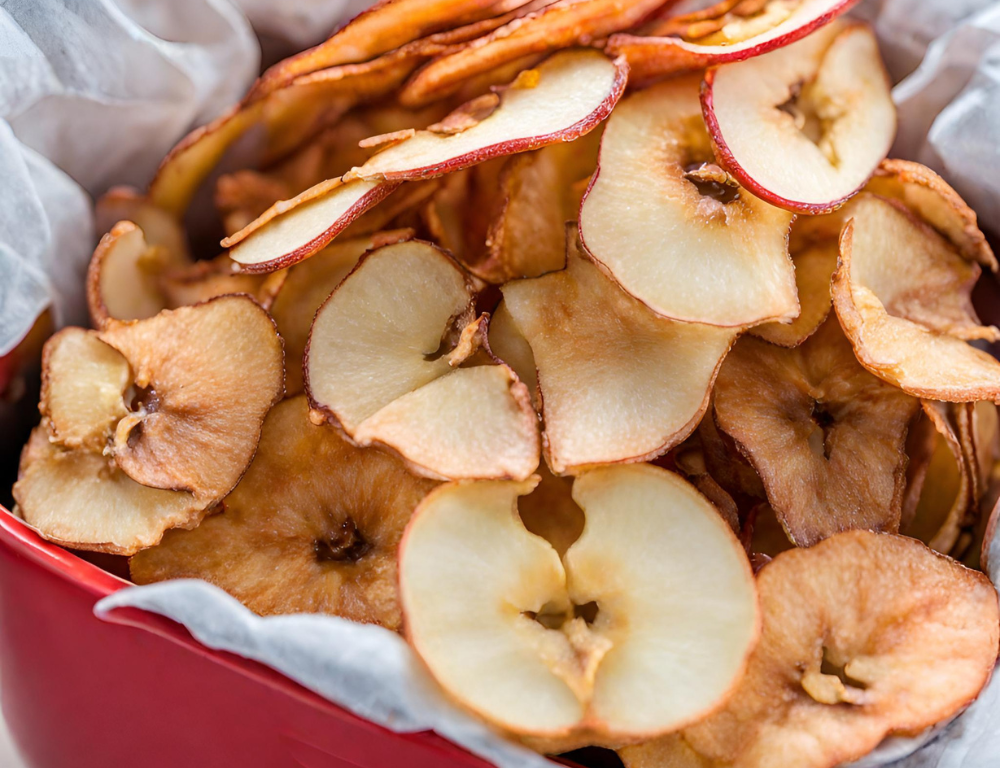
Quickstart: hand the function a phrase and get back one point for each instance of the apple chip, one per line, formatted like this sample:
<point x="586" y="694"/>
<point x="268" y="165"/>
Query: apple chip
<point x="508" y="343"/>
<point x="803" y="127"/>
<point x="307" y="286"/>
<point x="935" y="202"/>
<point x="384" y="363"/>
<point x="204" y="280"/>
<point x="159" y="227"/>
<point x="865" y="635"/>
<point x="617" y="383"/>
<point x="558" y="25"/>
<point x="242" y="196"/>
<point x="726" y="464"/>
<point x="827" y="438"/>
<point x="576" y="656"/>
<point x="902" y="294"/>
<point x="312" y="527"/>
<point x="732" y="30"/>
<point x="673" y="229"/>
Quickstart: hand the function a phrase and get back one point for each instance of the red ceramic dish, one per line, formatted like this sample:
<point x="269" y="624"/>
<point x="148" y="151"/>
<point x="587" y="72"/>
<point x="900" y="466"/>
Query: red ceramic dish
<point x="79" y="692"/>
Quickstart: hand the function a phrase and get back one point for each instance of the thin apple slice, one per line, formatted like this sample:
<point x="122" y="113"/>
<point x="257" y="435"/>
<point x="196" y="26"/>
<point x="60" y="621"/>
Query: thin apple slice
<point x="313" y="527"/>
<point x="204" y="280"/>
<point x="902" y="295"/>
<point x="935" y="202"/>
<point x="472" y="576"/>
<point x="559" y="25"/>
<point x="827" y="438"/>
<point x="864" y="636"/>
<point x="804" y="127"/>
<point x="242" y="196"/>
<point x="383" y="363"/>
<point x="508" y="343"/>
<point x="159" y="227"/>
<point x="727" y="32"/>
<point x="674" y="230"/>
<point x="617" y="383"/>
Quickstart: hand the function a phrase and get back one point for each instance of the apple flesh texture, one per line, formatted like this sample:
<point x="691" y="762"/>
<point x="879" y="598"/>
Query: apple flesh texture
<point x="804" y="127"/>
<point x="670" y="635"/>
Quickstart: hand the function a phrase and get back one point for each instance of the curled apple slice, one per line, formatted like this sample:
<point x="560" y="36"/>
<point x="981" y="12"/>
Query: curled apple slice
<point x="733" y="30"/>
<point x="575" y="656"/>
<point x="617" y="383"/>
<point x="803" y="127"/>
<point x="902" y="295"/>
<point x="384" y="363"/>
<point x="558" y="25"/>
<point x="673" y="229"/>
<point x="827" y="438"/>
<point x="865" y="635"/>
<point x="325" y="542"/>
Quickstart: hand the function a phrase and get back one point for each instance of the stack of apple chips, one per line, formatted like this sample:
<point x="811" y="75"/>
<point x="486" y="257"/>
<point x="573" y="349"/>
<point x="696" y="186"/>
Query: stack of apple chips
<point x="597" y="349"/>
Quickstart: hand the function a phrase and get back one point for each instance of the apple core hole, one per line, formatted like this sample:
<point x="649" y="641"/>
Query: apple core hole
<point x="825" y="422"/>
<point x="343" y="544"/>
<point x="713" y="182"/>
<point x="142" y="399"/>
<point x="450" y="338"/>
<point x="828" y="667"/>
<point x="556" y="616"/>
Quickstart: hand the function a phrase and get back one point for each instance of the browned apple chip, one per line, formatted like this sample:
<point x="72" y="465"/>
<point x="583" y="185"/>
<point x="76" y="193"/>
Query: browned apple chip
<point x="902" y="294"/>
<point x="508" y="344"/>
<point x="864" y="635"/>
<point x="220" y="276"/>
<point x="313" y="526"/>
<point x="827" y="438"/>
<point x="725" y="463"/>
<point x="242" y="196"/>
<point x="617" y="382"/>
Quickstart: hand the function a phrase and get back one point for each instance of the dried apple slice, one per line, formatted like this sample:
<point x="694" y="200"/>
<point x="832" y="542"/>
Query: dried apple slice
<point x="312" y="527"/>
<point x="508" y="343"/>
<point x="864" y="635"/>
<point x="159" y="227"/>
<point x="727" y="32"/>
<point x="935" y="202"/>
<point x="827" y="438"/>
<point x="558" y="25"/>
<point x="472" y="576"/>
<point x="674" y="230"/>
<point x="803" y="127"/>
<point x="902" y="295"/>
<point x="384" y="364"/>
<point x="206" y="280"/>
<point x="617" y="383"/>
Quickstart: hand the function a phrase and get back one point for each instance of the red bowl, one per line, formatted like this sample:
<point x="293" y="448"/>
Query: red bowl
<point x="78" y="692"/>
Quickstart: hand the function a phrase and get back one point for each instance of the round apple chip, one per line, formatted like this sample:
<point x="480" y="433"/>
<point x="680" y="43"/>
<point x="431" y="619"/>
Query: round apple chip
<point x="902" y="294"/>
<point x="804" y="127"/>
<point x="552" y="650"/>
<point x="676" y="231"/>
<point x="312" y="527"/>
<point x="617" y="383"/>
<point x="393" y="359"/>
<point x="865" y="635"/>
<point x="827" y="438"/>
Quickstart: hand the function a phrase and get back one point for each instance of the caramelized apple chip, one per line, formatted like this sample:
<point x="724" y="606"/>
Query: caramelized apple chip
<point x="380" y="365"/>
<point x="313" y="526"/>
<point x="827" y="438"/>
<point x="674" y="230"/>
<point x="864" y="635"/>
<point x="617" y="383"/>
<point x="902" y="294"/>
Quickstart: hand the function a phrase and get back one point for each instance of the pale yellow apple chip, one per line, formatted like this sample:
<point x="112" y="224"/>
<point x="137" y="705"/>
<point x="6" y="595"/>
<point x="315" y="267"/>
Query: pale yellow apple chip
<point x="865" y="635"/>
<point x="732" y="30"/>
<point x="559" y="25"/>
<point x="902" y="294"/>
<point x="575" y="656"/>
<point x="803" y="127"/>
<point x="617" y="383"/>
<point x="674" y="230"/>
<point x="379" y="365"/>
<point x="508" y="343"/>
<point x="827" y="438"/>
<point x="312" y="527"/>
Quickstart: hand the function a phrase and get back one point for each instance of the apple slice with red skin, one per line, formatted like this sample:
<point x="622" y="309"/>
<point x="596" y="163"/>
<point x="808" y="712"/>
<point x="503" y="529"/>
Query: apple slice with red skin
<point x="679" y="44"/>
<point x="565" y="97"/>
<point x="803" y="127"/>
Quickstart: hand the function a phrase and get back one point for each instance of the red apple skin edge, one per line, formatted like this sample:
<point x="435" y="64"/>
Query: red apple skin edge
<point x="730" y="164"/>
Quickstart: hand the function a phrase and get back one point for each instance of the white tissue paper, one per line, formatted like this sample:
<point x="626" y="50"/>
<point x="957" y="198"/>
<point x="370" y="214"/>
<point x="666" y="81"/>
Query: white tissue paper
<point x="102" y="88"/>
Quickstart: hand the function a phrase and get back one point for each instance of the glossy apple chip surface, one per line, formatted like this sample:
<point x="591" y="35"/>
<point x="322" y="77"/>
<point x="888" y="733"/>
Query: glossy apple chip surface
<point x="312" y="527"/>
<point x="804" y="127"/>
<point x="617" y="382"/>
<point x="902" y="294"/>
<point x="499" y="618"/>
<point x="865" y="635"/>
<point x="730" y="31"/>
<point x="826" y="437"/>
<point x="676" y="231"/>
<point x="381" y="364"/>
